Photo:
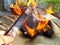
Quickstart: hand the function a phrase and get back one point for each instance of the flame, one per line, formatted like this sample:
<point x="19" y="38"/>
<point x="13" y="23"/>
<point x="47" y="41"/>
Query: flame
<point x="29" y="30"/>
<point x="49" y="10"/>
<point x="33" y="2"/>
<point x="16" y="9"/>
<point x="42" y="25"/>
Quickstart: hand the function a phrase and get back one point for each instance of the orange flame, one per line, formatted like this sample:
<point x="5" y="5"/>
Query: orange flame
<point x="32" y="2"/>
<point x="49" y="10"/>
<point x="15" y="9"/>
<point x="29" y="30"/>
<point x="18" y="10"/>
<point x="42" y="25"/>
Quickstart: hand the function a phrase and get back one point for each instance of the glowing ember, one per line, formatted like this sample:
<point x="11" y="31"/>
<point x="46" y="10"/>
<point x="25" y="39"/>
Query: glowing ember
<point x="49" y="10"/>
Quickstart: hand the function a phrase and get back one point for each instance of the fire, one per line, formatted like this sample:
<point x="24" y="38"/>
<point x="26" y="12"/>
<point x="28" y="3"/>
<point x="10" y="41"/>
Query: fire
<point x="32" y="2"/>
<point x="29" y="30"/>
<point x="49" y="10"/>
<point x="15" y="9"/>
<point x="18" y="10"/>
<point x="42" y="25"/>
